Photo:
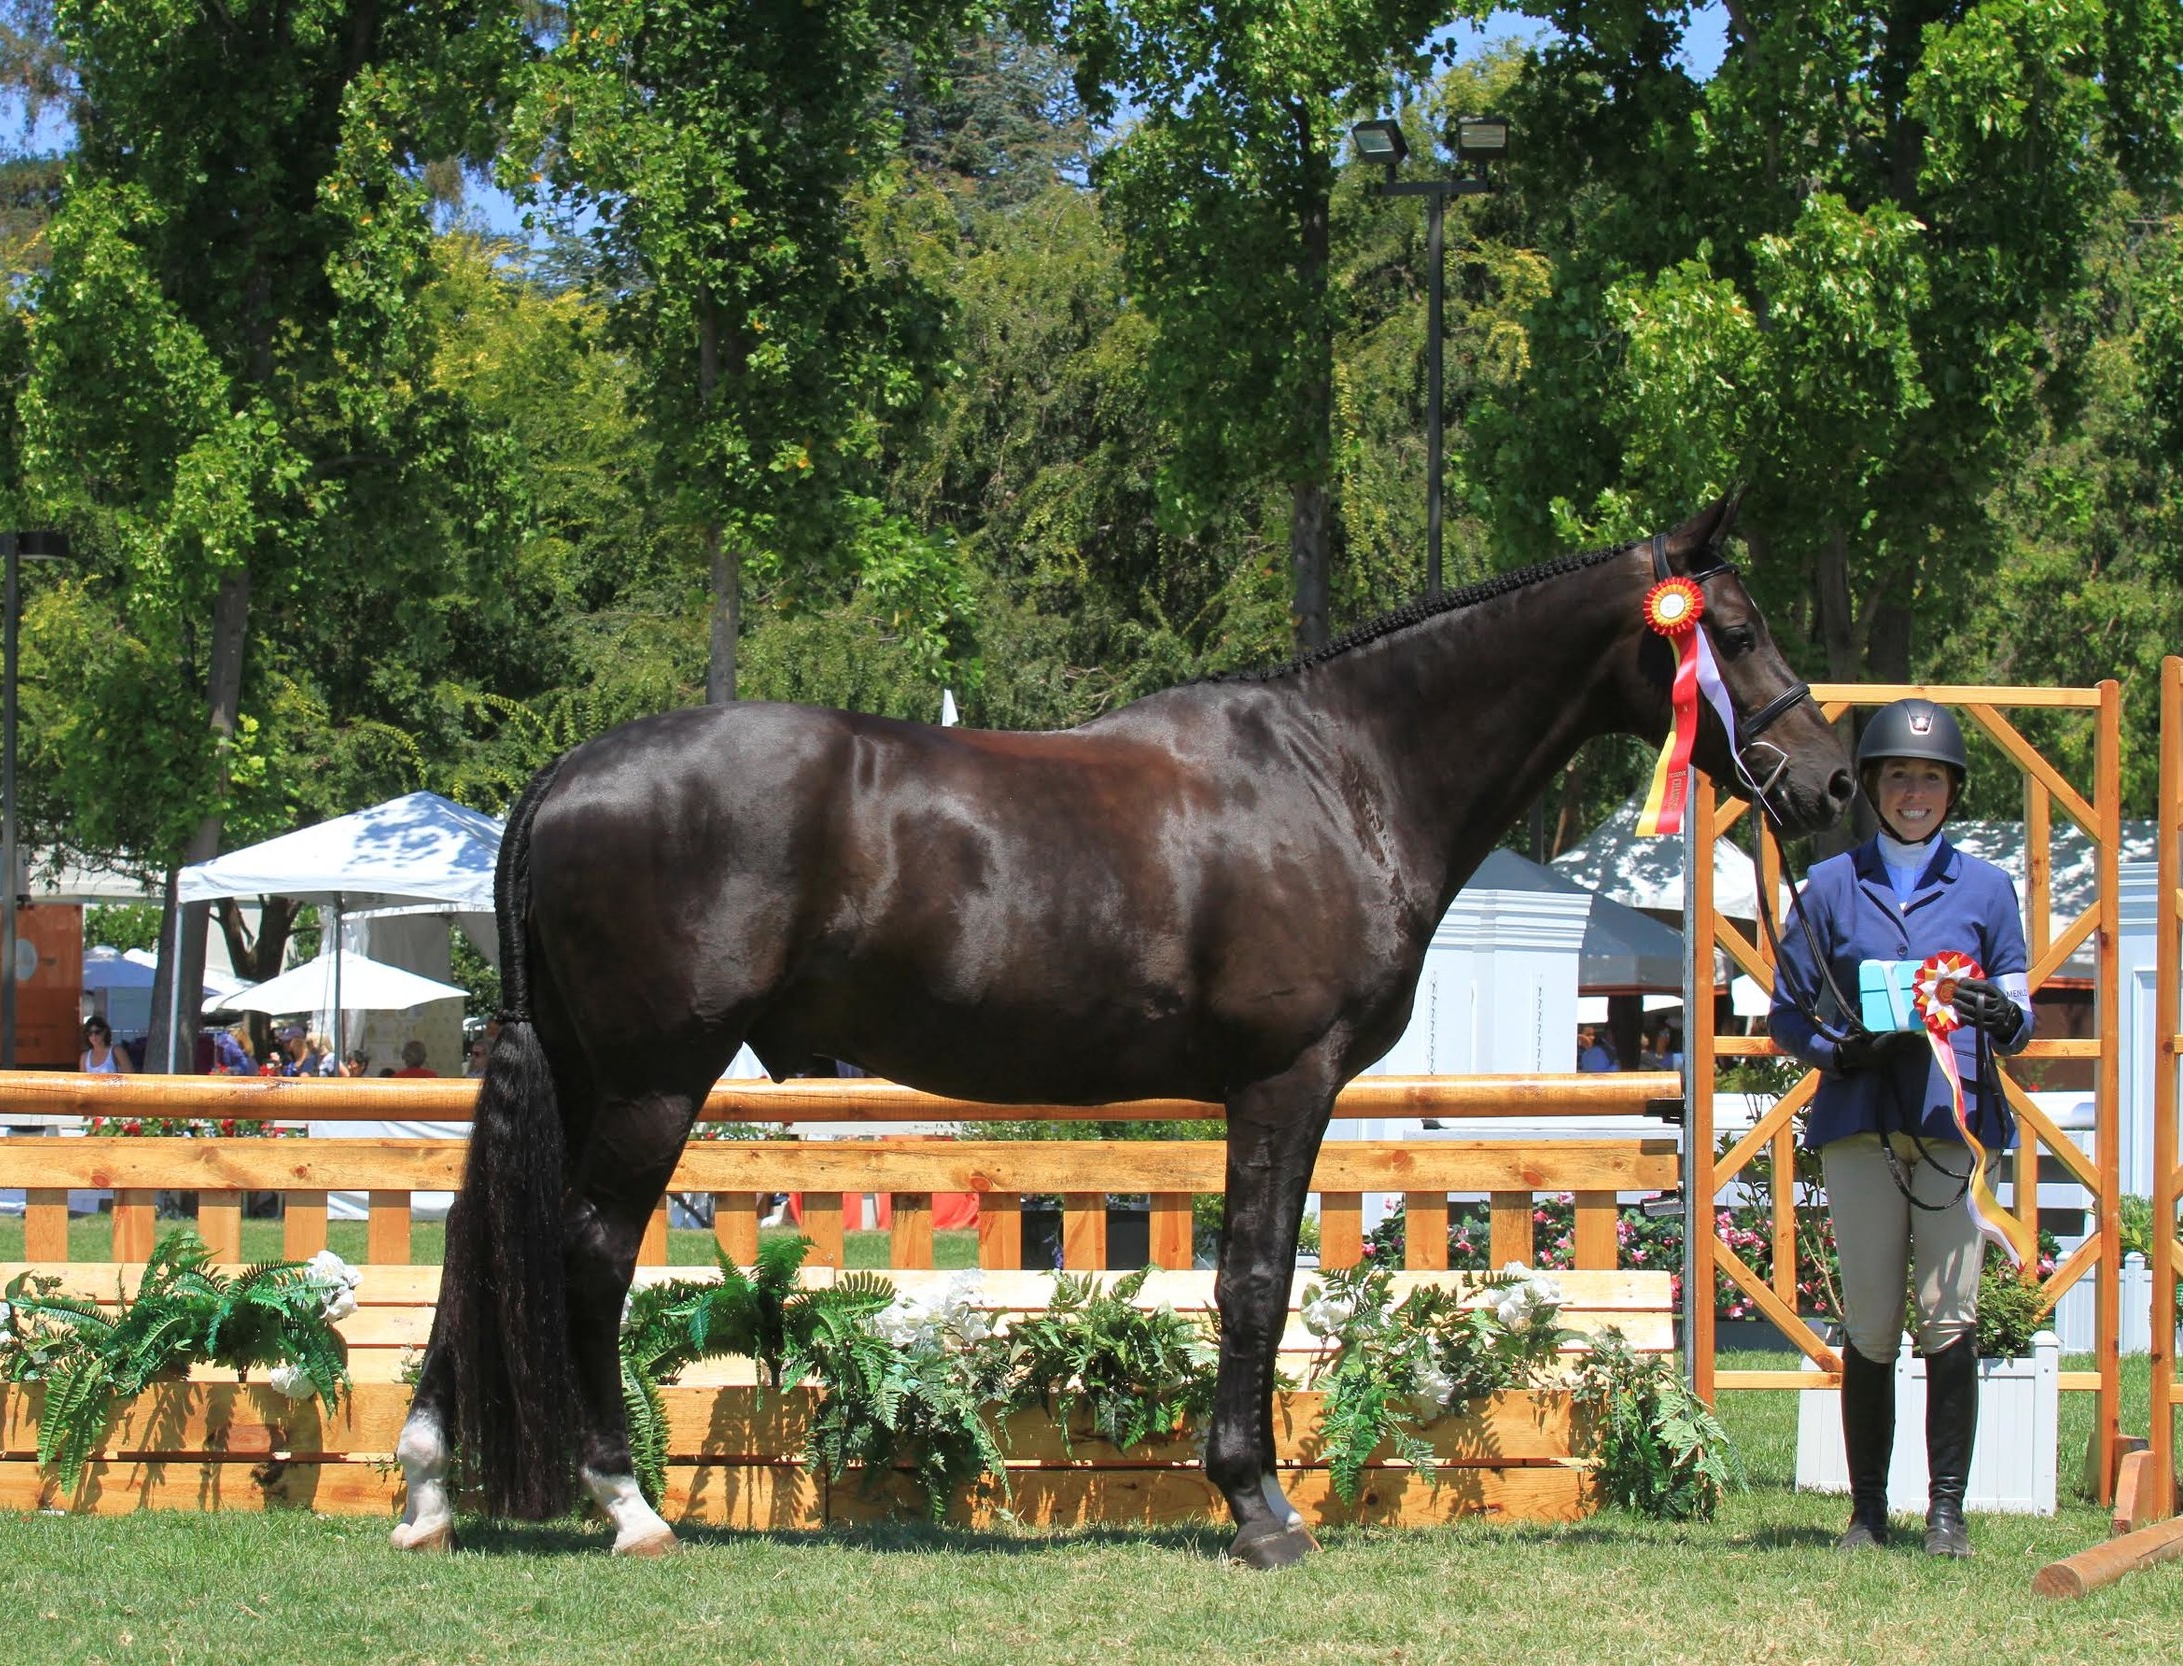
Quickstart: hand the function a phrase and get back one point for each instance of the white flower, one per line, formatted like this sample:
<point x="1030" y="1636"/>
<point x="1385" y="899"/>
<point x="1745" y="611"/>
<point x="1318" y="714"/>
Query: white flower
<point x="340" y="1303"/>
<point x="1435" y="1384"/>
<point x="1323" y="1313"/>
<point x="7" y="1313"/>
<point x="292" y="1381"/>
<point x="328" y="1269"/>
<point x="1545" y="1292"/>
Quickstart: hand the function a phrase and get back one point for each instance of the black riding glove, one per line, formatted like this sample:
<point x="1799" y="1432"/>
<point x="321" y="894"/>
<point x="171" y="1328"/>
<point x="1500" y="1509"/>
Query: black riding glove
<point x="1982" y="1006"/>
<point x="1876" y="1049"/>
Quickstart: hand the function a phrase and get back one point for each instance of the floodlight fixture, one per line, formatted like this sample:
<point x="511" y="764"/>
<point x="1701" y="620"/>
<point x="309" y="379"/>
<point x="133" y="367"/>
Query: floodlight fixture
<point x="1481" y="138"/>
<point x="1380" y="141"/>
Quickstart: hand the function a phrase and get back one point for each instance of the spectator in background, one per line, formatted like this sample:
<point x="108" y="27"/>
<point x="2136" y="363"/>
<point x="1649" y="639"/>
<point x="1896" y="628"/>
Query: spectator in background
<point x="231" y="1055"/>
<point x="100" y="1056"/>
<point x="1591" y="1055"/>
<point x="413" y="1060"/>
<point x="474" y="1064"/>
<point x="358" y="1063"/>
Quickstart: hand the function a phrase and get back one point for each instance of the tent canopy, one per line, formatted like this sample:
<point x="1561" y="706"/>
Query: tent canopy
<point x="367" y="985"/>
<point x="419" y="848"/>
<point x="1624" y="952"/>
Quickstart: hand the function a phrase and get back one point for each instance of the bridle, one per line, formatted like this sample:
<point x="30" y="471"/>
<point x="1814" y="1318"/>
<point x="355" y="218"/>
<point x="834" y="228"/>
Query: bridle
<point x="1744" y="745"/>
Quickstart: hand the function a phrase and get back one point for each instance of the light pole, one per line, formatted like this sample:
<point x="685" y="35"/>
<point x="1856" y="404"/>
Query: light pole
<point x="1478" y="141"/>
<point x="15" y="549"/>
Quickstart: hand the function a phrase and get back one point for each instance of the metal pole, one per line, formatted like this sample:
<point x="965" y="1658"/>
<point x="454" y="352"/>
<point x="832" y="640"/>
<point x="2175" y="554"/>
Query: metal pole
<point x="341" y="1027"/>
<point x="13" y="605"/>
<point x="1436" y="207"/>
<point x="174" y="986"/>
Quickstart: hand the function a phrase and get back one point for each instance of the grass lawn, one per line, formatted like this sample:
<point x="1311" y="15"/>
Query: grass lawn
<point x="1759" y="1584"/>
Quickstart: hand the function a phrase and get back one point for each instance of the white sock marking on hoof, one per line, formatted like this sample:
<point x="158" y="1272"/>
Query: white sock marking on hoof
<point x="638" y="1529"/>
<point x="428" y="1520"/>
<point x="1279" y="1501"/>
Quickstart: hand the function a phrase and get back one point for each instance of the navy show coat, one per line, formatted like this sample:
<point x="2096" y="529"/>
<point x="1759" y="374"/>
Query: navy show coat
<point x="1960" y="903"/>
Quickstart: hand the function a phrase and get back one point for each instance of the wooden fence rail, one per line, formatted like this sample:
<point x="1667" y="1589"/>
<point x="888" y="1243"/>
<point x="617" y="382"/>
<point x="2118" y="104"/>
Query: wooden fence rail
<point x="274" y="1098"/>
<point x="740" y="1175"/>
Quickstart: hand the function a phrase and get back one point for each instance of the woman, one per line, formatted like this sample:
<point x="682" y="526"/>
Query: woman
<point x="1883" y="1122"/>
<point x="100" y="1056"/>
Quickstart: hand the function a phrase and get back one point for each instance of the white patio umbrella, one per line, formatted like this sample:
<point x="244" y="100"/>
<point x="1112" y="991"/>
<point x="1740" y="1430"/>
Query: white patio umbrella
<point x="356" y="981"/>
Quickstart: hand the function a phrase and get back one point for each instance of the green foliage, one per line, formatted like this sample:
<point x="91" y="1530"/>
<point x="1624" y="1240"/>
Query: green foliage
<point x="2010" y="1311"/>
<point x="1138" y="1373"/>
<point x="1658" y="1449"/>
<point x="1399" y="1367"/>
<point x="184" y="1312"/>
<point x="907" y="1387"/>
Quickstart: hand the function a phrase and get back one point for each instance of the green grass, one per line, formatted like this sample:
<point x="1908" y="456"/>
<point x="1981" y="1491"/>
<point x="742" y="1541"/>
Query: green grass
<point x="91" y="1238"/>
<point x="1759" y="1584"/>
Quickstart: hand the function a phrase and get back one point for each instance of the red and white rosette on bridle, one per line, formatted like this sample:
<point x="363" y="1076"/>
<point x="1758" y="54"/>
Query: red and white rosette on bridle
<point x="1933" y="994"/>
<point x="1673" y="608"/>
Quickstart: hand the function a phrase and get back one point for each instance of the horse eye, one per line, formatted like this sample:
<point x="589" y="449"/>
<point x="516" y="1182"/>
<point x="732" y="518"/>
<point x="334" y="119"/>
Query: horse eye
<point x="1738" y="640"/>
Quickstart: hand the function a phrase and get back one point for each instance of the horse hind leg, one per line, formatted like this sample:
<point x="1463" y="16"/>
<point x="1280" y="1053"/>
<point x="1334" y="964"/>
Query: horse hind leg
<point x="631" y="1156"/>
<point x="428" y="1515"/>
<point x="1274" y="1130"/>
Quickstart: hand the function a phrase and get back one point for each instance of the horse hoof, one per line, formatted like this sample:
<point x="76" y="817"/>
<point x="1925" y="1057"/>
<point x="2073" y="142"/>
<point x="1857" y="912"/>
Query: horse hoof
<point x="1272" y="1544"/>
<point x="656" y="1544"/>
<point x="409" y="1536"/>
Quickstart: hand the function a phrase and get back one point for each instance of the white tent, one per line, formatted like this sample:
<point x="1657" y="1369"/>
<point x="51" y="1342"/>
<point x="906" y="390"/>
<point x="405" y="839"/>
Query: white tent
<point x="346" y="981"/>
<point x="416" y="850"/>
<point x="419" y="848"/>
<point x="1648" y="873"/>
<point x="1624" y="951"/>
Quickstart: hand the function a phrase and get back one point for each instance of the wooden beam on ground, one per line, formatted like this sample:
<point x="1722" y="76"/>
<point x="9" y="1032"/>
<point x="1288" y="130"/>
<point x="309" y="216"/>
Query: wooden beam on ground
<point x="2103" y="1564"/>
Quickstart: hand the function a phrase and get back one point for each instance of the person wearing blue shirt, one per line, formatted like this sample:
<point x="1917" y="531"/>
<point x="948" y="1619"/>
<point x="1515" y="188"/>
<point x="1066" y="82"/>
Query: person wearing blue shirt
<point x="1883" y="1122"/>
<point x="1591" y="1054"/>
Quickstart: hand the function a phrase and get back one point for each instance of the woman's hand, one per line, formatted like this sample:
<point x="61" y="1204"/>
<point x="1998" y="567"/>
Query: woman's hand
<point x="1877" y="1049"/>
<point x="1983" y="1006"/>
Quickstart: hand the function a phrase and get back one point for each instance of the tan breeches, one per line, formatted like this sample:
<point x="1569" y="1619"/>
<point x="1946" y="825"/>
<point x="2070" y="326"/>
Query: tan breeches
<point x="1880" y="1239"/>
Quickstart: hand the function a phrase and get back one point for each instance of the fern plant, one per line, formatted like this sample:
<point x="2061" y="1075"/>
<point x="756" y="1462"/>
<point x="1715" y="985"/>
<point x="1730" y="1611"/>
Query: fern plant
<point x="1137" y="1373"/>
<point x="274" y="1315"/>
<point x="907" y="1387"/>
<point x="1658" y="1448"/>
<point x="1397" y="1368"/>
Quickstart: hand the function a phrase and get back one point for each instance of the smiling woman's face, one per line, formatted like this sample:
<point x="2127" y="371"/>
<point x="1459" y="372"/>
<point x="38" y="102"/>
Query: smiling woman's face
<point x="1912" y="797"/>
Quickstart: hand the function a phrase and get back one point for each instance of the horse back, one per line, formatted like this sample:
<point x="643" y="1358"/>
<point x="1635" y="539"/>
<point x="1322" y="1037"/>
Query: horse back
<point x="1164" y="901"/>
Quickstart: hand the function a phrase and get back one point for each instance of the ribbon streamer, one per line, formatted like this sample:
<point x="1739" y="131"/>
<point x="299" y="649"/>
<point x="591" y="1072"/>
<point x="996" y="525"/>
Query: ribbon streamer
<point x="1933" y="993"/>
<point x="1672" y="609"/>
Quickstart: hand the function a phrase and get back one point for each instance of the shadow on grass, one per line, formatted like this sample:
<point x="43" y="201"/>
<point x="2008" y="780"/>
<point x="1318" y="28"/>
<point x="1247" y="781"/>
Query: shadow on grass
<point x="910" y="1538"/>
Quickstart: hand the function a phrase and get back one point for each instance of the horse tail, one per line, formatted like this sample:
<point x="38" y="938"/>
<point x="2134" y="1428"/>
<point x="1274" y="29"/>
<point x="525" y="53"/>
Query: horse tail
<point x="503" y="1308"/>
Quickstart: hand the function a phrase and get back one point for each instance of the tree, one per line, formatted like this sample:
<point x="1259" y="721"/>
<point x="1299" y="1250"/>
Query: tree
<point x="1831" y="271"/>
<point x="1223" y="188"/>
<point x="219" y="391"/>
<point x="714" y="148"/>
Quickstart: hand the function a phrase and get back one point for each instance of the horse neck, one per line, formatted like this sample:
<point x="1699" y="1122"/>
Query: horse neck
<point x="1473" y="712"/>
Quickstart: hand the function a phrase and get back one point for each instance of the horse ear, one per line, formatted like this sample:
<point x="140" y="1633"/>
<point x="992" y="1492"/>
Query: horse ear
<point x="1708" y="529"/>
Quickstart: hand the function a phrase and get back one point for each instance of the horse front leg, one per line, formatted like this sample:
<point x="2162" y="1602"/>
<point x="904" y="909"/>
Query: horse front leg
<point x="1274" y="1129"/>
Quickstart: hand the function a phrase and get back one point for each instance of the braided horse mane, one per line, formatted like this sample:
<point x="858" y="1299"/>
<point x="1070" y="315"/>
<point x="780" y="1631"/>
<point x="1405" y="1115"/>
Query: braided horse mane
<point x="1418" y="613"/>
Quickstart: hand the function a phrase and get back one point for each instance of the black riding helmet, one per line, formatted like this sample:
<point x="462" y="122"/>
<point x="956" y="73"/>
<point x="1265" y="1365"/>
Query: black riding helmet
<point x="1913" y="729"/>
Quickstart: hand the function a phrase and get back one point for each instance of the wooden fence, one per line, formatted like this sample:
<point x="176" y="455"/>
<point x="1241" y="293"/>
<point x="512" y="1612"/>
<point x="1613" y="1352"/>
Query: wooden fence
<point x="2100" y="1255"/>
<point x="740" y="1174"/>
<point x="737" y="1459"/>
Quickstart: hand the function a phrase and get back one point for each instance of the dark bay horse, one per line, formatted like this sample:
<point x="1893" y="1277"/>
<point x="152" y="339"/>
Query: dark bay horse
<point x="1223" y="892"/>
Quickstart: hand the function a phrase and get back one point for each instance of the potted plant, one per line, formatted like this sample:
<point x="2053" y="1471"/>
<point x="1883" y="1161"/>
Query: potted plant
<point x="2019" y="1407"/>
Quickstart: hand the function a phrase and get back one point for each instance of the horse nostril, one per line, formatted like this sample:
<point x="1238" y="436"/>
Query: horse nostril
<point x="1841" y="786"/>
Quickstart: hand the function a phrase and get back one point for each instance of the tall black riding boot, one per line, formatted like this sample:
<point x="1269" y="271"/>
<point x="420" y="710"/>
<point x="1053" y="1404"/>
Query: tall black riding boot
<point x="1951" y="1424"/>
<point x="1868" y="1438"/>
